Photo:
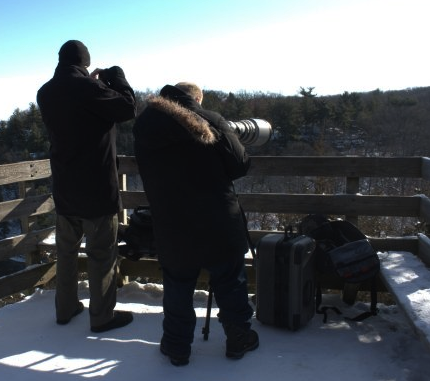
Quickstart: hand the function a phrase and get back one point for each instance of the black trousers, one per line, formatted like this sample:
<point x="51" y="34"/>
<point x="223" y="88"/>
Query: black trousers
<point x="101" y="248"/>
<point x="230" y="288"/>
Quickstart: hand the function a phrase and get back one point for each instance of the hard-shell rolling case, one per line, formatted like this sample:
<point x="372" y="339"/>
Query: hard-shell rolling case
<point x="285" y="270"/>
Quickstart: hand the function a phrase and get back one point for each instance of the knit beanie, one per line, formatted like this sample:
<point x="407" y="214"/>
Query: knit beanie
<point x="74" y="52"/>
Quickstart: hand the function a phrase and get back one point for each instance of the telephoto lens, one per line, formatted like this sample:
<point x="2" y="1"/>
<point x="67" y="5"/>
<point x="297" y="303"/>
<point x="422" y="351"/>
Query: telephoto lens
<point x="252" y="132"/>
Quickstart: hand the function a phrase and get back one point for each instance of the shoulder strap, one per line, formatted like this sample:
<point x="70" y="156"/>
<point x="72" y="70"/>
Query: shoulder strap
<point x="248" y="237"/>
<point x="373" y="304"/>
<point x="251" y="245"/>
<point x="323" y="310"/>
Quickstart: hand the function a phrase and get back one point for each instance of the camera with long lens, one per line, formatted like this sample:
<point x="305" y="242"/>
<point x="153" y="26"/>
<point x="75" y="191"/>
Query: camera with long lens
<point x="252" y="132"/>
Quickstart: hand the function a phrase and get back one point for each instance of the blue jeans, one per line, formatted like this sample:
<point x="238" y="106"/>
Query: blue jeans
<point x="229" y="285"/>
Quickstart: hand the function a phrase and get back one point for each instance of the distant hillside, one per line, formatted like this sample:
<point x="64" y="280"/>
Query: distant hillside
<point x="373" y="123"/>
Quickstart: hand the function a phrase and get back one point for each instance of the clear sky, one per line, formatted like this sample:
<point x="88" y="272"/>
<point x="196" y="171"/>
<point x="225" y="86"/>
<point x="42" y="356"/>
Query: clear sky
<point x="229" y="45"/>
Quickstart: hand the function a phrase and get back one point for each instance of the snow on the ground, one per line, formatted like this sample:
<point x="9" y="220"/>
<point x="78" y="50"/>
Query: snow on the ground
<point x="34" y="348"/>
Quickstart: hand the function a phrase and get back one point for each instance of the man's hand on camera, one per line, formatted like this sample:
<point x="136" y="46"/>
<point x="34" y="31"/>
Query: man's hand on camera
<point x="95" y="73"/>
<point x="109" y="76"/>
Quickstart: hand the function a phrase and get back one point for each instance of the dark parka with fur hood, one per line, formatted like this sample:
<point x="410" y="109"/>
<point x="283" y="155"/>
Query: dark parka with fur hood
<point x="80" y="114"/>
<point x="188" y="158"/>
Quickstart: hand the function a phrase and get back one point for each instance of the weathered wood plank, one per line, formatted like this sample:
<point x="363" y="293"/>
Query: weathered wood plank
<point x="335" y="166"/>
<point x="408" y="243"/>
<point x="127" y="165"/>
<point x="24" y="171"/>
<point x="329" y="166"/>
<point x="28" y="278"/>
<point x="150" y="268"/>
<point x="401" y="206"/>
<point x="132" y="199"/>
<point x="23" y="244"/>
<point x="25" y="207"/>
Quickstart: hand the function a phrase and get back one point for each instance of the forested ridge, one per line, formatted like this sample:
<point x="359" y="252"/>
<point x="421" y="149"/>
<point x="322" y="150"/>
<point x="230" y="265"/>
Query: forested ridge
<point x="377" y="123"/>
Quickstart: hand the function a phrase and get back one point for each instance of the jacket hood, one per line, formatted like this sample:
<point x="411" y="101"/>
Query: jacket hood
<point x="173" y="101"/>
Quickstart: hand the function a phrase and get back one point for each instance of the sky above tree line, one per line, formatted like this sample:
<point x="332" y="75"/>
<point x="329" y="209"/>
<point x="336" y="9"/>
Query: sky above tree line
<point x="275" y="46"/>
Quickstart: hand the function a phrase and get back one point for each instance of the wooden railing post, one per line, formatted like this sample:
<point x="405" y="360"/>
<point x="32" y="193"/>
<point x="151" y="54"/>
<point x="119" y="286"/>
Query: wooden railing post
<point x="352" y="187"/>
<point x="24" y="189"/>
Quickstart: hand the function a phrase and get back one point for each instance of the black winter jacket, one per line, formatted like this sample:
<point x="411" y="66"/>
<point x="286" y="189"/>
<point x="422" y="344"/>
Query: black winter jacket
<point x="80" y="114"/>
<point x="188" y="158"/>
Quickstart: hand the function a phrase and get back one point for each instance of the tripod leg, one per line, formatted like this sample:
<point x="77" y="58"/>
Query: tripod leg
<point x="205" y="329"/>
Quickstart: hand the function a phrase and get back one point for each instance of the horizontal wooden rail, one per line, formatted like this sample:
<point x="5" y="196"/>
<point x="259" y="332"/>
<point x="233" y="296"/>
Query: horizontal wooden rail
<point x="24" y="171"/>
<point x="26" y="207"/>
<point x="331" y="204"/>
<point x="28" y="278"/>
<point x="335" y="166"/>
<point x="23" y="243"/>
<point x="341" y="204"/>
<point x="132" y="199"/>
<point x="329" y="166"/>
<point x="326" y="166"/>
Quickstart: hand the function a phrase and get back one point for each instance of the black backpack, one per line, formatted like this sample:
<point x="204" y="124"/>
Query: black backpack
<point x="343" y="251"/>
<point x="138" y="236"/>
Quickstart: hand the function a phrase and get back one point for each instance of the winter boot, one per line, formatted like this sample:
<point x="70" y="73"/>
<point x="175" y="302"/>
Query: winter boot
<point x="240" y="340"/>
<point x="120" y="319"/>
<point x="176" y="359"/>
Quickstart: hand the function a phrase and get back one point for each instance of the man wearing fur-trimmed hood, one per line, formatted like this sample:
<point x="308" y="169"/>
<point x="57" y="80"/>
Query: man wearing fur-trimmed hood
<point x="188" y="158"/>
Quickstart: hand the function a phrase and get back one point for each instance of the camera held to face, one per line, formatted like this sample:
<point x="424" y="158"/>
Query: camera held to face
<point x="252" y="132"/>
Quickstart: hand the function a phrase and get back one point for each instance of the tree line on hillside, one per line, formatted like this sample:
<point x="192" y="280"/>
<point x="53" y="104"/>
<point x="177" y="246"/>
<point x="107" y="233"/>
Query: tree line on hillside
<point x="377" y="123"/>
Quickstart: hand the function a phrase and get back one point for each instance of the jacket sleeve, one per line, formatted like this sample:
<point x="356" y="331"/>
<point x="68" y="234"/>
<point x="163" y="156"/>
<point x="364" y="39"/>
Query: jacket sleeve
<point x="113" y="100"/>
<point x="235" y="158"/>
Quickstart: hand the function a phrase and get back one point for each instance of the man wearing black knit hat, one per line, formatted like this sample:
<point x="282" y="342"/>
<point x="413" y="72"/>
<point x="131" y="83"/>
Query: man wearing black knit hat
<point x="80" y="110"/>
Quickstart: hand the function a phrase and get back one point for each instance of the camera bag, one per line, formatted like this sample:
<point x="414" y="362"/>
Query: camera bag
<point x="344" y="252"/>
<point x="138" y="236"/>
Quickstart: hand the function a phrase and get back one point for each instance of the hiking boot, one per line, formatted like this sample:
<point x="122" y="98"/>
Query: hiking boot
<point x="239" y="341"/>
<point x="175" y="359"/>
<point x="120" y="319"/>
<point x="78" y="310"/>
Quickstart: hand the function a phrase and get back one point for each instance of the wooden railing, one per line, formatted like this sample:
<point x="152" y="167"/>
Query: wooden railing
<point x="349" y="203"/>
